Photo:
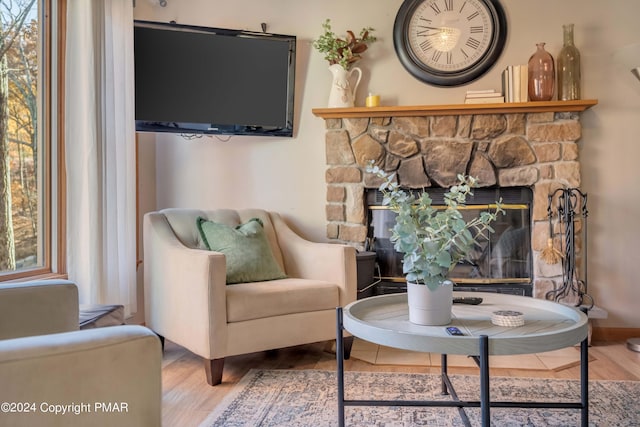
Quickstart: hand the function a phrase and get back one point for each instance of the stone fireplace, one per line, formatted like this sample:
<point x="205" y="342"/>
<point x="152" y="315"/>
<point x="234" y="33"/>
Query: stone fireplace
<point x="532" y="145"/>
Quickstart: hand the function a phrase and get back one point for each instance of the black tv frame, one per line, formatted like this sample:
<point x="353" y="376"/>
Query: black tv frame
<point x="190" y="128"/>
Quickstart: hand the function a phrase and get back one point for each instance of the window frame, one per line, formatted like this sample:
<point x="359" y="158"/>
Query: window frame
<point x="53" y="210"/>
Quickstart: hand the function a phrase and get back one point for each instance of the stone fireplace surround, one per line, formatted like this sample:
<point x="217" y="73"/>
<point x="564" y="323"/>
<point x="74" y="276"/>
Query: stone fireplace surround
<point x="533" y="145"/>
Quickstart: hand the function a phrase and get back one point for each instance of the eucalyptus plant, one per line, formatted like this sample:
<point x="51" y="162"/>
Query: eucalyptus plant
<point x="433" y="240"/>
<point x="343" y="51"/>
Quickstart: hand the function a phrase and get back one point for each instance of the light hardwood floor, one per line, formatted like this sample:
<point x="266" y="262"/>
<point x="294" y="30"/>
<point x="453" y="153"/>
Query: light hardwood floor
<point x="187" y="398"/>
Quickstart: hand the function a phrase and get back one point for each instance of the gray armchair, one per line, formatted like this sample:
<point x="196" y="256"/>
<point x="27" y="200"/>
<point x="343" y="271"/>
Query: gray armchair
<point x="99" y="377"/>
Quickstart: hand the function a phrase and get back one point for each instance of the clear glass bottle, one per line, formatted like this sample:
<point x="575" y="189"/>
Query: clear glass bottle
<point x="542" y="75"/>
<point x="568" y="67"/>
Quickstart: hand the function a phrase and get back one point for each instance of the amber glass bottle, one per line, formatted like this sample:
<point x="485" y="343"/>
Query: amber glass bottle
<point x="541" y="75"/>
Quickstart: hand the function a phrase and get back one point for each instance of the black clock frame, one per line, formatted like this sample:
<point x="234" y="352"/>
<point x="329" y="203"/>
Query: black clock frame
<point x="443" y="78"/>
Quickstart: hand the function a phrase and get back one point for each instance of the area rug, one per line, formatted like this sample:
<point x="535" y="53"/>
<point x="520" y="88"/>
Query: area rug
<point x="304" y="398"/>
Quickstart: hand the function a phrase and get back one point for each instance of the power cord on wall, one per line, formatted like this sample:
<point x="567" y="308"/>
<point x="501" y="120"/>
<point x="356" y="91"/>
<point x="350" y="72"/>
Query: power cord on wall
<point x="192" y="136"/>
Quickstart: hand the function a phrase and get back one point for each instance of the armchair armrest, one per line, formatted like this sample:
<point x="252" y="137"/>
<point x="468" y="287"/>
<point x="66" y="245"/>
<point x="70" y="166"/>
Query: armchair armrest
<point x="116" y="365"/>
<point x="185" y="290"/>
<point x="335" y="263"/>
<point x="38" y="308"/>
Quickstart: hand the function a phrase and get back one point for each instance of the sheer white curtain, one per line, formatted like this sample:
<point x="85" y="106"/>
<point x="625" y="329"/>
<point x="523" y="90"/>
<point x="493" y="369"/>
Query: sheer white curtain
<point x="100" y="151"/>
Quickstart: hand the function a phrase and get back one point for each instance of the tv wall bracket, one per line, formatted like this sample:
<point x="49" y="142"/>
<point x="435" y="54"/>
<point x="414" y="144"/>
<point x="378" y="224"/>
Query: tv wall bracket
<point x="162" y="3"/>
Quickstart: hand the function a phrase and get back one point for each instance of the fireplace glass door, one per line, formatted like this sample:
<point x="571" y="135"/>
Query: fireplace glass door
<point x="500" y="262"/>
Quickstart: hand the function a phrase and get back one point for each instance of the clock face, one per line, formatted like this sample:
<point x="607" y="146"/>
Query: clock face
<point x="449" y="42"/>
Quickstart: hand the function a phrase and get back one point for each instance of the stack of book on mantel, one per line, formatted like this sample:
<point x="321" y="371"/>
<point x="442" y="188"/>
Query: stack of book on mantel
<point x="515" y="80"/>
<point x="488" y="96"/>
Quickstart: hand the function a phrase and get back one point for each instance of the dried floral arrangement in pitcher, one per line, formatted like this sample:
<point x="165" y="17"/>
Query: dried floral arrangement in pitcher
<point x="343" y="51"/>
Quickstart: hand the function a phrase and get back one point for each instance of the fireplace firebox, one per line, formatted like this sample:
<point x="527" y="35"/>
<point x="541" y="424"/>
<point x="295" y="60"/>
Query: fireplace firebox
<point x="501" y="262"/>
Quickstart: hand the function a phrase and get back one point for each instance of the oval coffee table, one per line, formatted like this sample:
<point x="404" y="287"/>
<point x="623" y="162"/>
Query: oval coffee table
<point x="547" y="326"/>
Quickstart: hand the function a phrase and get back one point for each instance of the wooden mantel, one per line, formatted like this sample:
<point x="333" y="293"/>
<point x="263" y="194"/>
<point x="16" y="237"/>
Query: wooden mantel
<point x="456" y="109"/>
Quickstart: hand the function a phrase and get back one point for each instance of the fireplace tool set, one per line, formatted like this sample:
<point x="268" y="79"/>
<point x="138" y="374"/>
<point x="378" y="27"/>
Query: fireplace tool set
<point x="570" y="208"/>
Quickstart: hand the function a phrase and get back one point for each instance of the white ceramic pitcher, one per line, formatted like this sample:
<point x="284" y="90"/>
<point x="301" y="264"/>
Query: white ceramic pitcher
<point x="343" y="93"/>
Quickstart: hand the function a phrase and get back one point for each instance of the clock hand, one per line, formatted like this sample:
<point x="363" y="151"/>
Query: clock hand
<point x="439" y="31"/>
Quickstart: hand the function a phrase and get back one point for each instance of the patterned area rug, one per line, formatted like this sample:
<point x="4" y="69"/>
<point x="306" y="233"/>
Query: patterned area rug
<point x="308" y="398"/>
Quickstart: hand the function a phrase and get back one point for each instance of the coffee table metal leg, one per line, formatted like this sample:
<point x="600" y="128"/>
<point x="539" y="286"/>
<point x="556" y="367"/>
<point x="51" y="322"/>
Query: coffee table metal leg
<point x="447" y="388"/>
<point x="584" y="381"/>
<point x="444" y="373"/>
<point x="340" y="368"/>
<point x="485" y="407"/>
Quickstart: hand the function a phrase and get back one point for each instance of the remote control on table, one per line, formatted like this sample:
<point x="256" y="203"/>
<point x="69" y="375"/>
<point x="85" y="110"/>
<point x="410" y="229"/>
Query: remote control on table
<point x="467" y="300"/>
<point x="452" y="330"/>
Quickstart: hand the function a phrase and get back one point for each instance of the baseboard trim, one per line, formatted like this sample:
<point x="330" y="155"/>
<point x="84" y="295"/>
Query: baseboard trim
<point x="614" y="334"/>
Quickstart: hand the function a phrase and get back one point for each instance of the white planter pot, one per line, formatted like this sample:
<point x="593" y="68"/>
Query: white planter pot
<point x="430" y="308"/>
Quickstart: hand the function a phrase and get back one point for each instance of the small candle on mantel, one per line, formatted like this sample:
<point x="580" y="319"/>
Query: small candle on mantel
<point x="373" y="100"/>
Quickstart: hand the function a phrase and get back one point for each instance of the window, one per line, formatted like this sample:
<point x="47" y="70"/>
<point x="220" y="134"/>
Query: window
<point x="26" y="148"/>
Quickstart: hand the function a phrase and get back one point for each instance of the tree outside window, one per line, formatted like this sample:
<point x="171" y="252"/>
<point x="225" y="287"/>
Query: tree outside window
<point x="21" y="159"/>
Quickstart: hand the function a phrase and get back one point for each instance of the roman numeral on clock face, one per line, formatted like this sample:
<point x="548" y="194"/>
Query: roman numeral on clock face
<point x="472" y="43"/>
<point x="426" y="45"/>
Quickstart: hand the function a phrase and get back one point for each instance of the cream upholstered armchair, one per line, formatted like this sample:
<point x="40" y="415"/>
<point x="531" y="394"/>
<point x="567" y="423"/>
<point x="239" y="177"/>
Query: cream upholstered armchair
<point x="48" y="365"/>
<point x="188" y="300"/>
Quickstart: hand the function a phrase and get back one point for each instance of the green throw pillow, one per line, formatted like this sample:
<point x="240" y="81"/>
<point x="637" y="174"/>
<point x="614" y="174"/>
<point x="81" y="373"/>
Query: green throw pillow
<point x="246" y="248"/>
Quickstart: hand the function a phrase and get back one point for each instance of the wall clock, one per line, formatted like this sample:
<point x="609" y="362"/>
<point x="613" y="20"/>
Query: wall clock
<point x="449" y="42"/>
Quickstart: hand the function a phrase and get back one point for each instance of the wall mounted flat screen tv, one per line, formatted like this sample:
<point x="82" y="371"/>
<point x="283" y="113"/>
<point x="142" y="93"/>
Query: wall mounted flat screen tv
<point x="194" y="80"/>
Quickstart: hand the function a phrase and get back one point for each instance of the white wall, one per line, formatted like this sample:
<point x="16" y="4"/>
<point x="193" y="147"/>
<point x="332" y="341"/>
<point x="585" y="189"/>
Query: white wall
<point x="258" y="172"/>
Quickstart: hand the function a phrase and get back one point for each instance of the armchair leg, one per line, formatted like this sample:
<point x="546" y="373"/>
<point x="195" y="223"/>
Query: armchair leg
<point x="347" y="343"/>
<point x="213" y="369"/>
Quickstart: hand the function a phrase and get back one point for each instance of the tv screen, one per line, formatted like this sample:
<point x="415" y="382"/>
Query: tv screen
<point x="191" y="79"/>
